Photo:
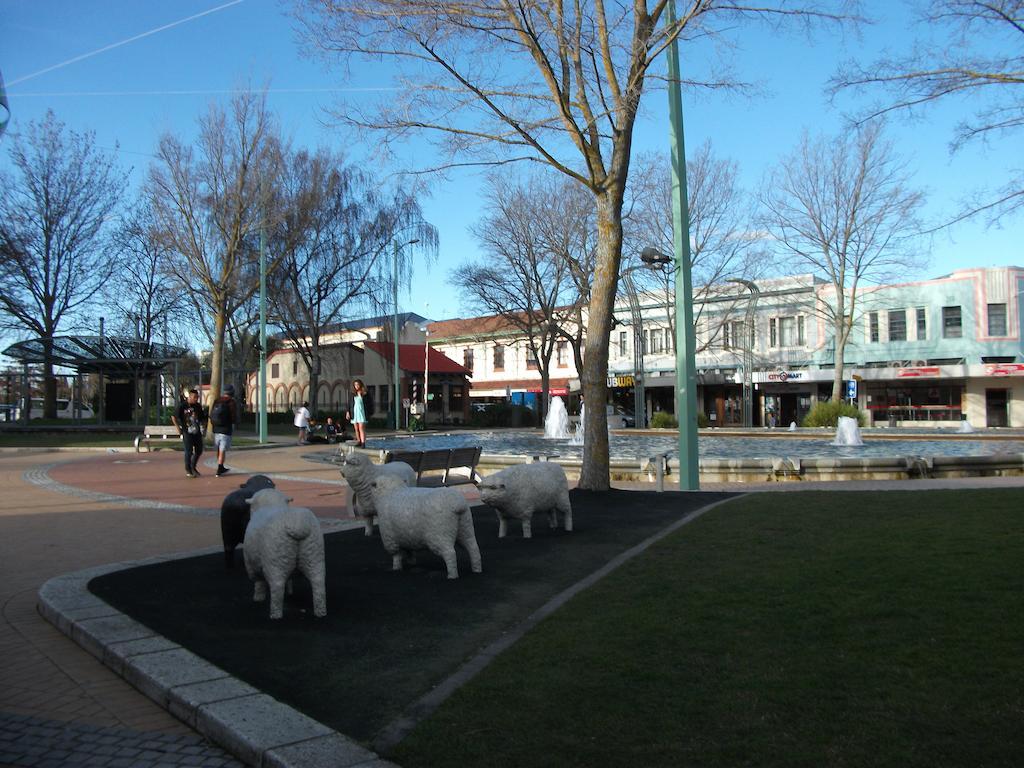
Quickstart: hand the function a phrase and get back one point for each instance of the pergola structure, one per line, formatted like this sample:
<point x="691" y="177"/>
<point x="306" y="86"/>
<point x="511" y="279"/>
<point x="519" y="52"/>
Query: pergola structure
<point x="121" y="364"/>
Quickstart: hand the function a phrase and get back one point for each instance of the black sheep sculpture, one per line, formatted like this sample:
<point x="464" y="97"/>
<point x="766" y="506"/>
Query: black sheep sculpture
<point x="234" y="514"/>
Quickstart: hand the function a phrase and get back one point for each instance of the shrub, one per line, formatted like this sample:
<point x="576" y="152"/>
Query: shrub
<point x="663" y="420"/>
<point x="827" y="413"/>
<point x="702" y="421"/>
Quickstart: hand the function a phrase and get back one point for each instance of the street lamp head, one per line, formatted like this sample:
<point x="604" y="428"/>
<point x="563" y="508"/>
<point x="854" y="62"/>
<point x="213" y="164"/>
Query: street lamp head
<point x="413" y="241"/>
<point x="652" y="256"/>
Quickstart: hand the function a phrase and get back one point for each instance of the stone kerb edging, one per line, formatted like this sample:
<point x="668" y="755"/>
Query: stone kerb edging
<point x="255" y="727"/>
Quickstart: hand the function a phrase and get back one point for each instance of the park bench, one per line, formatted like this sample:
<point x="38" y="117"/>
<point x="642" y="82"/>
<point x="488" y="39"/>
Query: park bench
<point x="441" y="459"/>
<point x="155" y="430"/>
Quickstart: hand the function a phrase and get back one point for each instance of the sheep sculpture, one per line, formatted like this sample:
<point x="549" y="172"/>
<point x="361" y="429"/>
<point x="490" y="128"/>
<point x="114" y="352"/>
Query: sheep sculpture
<point x="517" y="492"/>
<point x="280" y="540"/>
<point x="234" y="514"/>
<point x="424" y="518"/>
<point x="359" y="472"/>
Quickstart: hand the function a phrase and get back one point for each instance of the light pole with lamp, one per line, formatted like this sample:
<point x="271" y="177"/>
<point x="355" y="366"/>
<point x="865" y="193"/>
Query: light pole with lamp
<point x="748" y="349"/>
<point x="686" y="368"/>
<point x="395" y="249"/>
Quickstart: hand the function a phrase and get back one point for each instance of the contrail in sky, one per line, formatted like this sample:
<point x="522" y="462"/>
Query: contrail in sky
<point x="122" y="42"/>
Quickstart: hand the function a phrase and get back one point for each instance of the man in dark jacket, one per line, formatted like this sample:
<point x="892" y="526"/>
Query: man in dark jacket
<point x="190" y="419"/>
<point x="224" y="415"/>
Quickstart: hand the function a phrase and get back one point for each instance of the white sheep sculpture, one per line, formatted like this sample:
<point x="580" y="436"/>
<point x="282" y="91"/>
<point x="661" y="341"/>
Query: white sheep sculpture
<point x="280" y="540"/>
<point x="517" y="492"/>
<point x="359" y="472"/>
<point x="424" y="518"/>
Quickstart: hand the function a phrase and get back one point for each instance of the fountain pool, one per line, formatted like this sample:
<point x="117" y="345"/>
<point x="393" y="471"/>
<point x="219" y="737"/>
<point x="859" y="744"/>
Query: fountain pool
<point x="632" y="447"/>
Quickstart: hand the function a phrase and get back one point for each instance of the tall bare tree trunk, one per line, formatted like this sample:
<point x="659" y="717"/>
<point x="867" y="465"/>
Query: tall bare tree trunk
<point x="217" y="363"/>
<point x="595" y="475"/>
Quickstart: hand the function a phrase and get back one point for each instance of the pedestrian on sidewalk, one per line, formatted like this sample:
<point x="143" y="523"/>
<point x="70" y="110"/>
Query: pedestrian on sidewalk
<point x="358" y="413"/>
<point x="302" y="415"/>
<point x="224" y="415"/>
<point x="190" y="419"/>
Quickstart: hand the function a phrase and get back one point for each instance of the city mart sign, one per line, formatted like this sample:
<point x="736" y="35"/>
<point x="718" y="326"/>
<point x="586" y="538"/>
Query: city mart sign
<point x="779" y="377"/>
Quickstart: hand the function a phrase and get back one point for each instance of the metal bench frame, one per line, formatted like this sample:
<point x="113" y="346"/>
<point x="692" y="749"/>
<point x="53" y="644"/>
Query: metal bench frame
<point x="162" y="431"/>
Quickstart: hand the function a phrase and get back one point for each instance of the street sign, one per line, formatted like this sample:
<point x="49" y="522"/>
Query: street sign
<point x="851" y="389"/>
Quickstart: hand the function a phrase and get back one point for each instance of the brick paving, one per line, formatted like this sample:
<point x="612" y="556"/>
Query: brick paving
<point x="36" y="742"/>
<point x="63" y="512"/>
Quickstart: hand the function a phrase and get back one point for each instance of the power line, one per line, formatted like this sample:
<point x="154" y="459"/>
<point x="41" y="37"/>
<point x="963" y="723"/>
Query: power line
<point x="122" y="42"/>
<point x="204" y="91"/>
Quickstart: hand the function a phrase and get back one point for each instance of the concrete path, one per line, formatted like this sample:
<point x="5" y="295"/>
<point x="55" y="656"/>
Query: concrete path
<point x="63" y="512"/>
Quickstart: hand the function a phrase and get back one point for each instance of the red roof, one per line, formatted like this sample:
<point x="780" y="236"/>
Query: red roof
<point x="410" y="358"/>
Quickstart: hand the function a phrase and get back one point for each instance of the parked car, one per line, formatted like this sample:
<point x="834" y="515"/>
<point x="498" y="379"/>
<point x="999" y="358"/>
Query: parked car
<point x="65" y="409"/>
<point x="628" y="419"/>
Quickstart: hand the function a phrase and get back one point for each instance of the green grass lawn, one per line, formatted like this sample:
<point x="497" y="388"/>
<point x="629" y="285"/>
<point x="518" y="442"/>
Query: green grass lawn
<point x="810" y="629"/>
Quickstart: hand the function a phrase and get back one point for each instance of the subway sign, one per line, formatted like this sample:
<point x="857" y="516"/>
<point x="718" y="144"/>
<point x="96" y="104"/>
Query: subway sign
<point x="621" y="381"/>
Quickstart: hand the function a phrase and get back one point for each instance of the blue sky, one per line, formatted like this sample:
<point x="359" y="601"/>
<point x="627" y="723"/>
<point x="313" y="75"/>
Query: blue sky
<point x="253" y="41"/>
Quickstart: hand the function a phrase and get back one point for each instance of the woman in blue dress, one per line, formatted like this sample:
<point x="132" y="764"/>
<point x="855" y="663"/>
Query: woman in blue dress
<point x="358" y="413"/>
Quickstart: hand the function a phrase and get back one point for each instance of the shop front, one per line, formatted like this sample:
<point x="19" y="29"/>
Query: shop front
<point x="783" y="397"/>
<point x="930" y="395"/>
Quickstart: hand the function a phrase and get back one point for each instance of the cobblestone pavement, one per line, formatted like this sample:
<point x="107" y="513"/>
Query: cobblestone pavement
<point x="38" y="743"/>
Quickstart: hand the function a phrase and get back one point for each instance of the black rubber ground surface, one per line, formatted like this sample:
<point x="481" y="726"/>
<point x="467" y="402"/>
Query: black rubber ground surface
<point x="388" y="637"/>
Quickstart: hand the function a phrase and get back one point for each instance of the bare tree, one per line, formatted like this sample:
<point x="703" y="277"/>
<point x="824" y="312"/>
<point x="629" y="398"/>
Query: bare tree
<point x="142" y="290"/>
<point x="978" y="55"/>
<point x="522" y="279"/>
<point x="722" y="241"/>
<point x="210" y="199"/>
<point x="334" y="237"/>
<point x="53" y="212"/>
<point x="497" y="81"/>
<point x="842" y="208"/>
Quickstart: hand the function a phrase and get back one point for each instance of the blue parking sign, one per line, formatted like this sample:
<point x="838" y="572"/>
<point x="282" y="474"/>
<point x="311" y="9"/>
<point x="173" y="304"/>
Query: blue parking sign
<point x="851" y="389"/>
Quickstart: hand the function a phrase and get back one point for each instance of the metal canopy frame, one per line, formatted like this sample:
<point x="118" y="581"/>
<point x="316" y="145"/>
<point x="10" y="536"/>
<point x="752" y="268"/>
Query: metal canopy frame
<point x="110" y="355"/>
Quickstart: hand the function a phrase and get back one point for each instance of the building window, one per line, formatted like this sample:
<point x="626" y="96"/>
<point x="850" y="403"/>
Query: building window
<point x="951" y="323"/>
<point x="801" y="339"/>
<point x="645" y="342"/>
<point x="873" y="326"/>
<point x="275" y="370"/>
<point x="383" y="405"/>
<point x="295" y="367"/>
<point x="736" y="334"/>
<point x="727" y="341"/>
<point x="499" y="357"/>
<point x="922" y="324"/>
<point x="897" y="325"/>
<point x="787" y="331"/>
<point x="655" y="341"/>
<point x="622" y="343"/>
<point x="996" y="319"/>
<point x="467" y="358"/>
<point x="531" y="361"/>
<point x="773" y="332"/>
<point x="562" y="353"/>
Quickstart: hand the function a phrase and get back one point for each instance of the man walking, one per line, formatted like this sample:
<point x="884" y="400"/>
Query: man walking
<point x="190" y="419"/>
<point x="224" y="415"/>
<point x="302" y="416"/>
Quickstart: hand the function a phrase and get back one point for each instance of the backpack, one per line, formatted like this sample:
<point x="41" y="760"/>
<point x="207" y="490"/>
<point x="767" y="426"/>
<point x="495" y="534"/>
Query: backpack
<point x="220" y="414"/>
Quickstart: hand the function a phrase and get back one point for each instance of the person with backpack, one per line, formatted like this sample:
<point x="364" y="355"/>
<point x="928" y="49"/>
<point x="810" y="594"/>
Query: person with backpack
<point x="190" y="419"/>
<point x="224" y="415"/>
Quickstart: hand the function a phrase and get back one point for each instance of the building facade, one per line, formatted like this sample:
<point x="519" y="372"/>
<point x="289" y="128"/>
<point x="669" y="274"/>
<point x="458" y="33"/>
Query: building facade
<point x="364" y="349"/>
<point x="928" y="353"/>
